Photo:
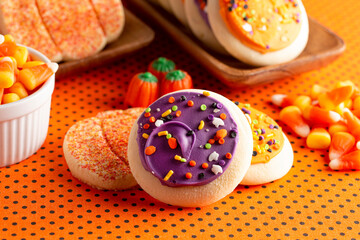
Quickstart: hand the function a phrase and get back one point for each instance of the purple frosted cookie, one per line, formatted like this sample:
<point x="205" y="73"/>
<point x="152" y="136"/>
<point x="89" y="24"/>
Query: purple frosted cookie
<point x="190" y="148"/>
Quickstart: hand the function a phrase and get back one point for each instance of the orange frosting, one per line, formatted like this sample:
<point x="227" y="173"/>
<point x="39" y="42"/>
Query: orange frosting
<point x="267" y="135"/>
<point x="266" y="25"/>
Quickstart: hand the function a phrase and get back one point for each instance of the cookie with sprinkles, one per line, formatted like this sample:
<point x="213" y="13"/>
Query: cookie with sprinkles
<point x="95" y="149"/>
<point x="272" y="153"/>
<point x="190" y="148"/>
<point x="260" y="33"/>
<point x="196" y="15"/>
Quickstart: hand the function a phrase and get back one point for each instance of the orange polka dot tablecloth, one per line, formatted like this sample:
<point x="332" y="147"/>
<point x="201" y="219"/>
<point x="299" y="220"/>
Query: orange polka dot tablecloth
<point x="39" y="198"/>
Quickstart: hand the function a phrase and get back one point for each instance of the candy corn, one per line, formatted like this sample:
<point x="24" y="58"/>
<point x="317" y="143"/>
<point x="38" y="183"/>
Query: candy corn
<point x="282" y="100"/>
<point x="19" y="89"/>
<point x="318" y="138"/>
<point x="341" y="143"/>
<point x="18" y="74"/>
<point x="21" y="55"/>
<point x="316" y="90"/>
<point x="302" y="102"/>
<point x="338" y="127"/>
<point x="10" y="97"/>
<point x="35" y="76"/>
<point x="8" y="46"/>
<point x="334" y="116"/>
<point x="292" y="117"/>
<point x="7" y="71"/>
<point x="320" y="116"/>
<point x="353" y="123"/>
<point x="347" y="162"/>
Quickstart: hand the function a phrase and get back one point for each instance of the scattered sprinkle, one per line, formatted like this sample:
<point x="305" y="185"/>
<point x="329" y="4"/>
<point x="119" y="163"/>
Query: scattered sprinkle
<point x="172" y="143"/>
<point x="174" y="108"/>
<point x="171" y="99"/>
<point x="201" y="125"/>
<point x="167" y="112"/>
<point x="150" y="150"/>
<point x="192" y="163"/>
<point x="190" y="103"/>
<point x="218" y="122"/>
<point x="213" y="156"/>
<point x="158" y="123"/>
<point x="168" y="175"/>
<point x="163" y="133"/>
<point x="203" y="107"/>
<point x="207" y="145"/>
<point x="188" y="175"/>
<point x="216" y="169"/>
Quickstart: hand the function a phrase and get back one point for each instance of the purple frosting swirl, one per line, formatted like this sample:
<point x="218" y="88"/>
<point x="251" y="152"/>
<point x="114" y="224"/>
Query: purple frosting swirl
<point x="191" y="138"/>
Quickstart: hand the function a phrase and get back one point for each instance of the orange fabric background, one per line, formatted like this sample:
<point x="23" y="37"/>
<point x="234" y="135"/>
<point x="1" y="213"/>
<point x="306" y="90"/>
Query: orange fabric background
<point x="39" y="198"/>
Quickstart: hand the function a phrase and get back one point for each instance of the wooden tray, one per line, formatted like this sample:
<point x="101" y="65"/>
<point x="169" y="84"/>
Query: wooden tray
<point x="135" y="36"/>
<point x="323" y="47"/>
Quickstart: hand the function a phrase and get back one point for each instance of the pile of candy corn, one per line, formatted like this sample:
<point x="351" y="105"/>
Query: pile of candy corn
<point x="328" y="119"/>
<point x="19" y="76"/>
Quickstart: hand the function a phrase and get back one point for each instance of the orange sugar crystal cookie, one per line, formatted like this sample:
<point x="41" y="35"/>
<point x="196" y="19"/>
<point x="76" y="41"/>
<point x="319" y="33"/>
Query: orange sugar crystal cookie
<point x="75" y="30"/>
<point x="95" y="149"/>
<point x="111" y="17"/>
<point x="20" y="18"/>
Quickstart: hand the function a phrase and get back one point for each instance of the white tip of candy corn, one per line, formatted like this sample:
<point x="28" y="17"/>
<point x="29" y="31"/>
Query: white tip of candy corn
<point x="358" y="145"/>
<point x="333" y="156"/>
<point x="2" y="38"/>
<point x="277" y="99"/>
<point x="53" y="66"/>
<point x="334" y="116"/>
<point x="302" y="131"/>
<point x="346" y="110"/>
<point x="335" y="164"/>
<point x="6" y="59"/>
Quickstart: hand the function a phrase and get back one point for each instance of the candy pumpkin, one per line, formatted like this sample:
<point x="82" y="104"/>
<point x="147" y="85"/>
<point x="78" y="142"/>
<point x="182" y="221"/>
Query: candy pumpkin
<point x="176" y="80"/>
<point x="160" y="67"/>
<point x="142" y="91"/>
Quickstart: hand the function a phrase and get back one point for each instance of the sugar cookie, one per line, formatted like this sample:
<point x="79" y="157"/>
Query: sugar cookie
<point x="111" y="16"/>
<point x="95" y="149"/>
<point x="196" y="15"/>
<point x="260" y="32"/>
<point x="272" y="153"/>
<point x="190" y="148"/>
<point x="178" y="9"/>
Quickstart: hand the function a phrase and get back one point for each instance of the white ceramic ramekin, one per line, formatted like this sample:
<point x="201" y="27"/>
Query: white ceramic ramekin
<point x="24" y="123"/>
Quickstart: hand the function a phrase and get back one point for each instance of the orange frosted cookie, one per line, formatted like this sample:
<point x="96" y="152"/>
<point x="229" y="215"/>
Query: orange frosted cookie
<point x="21" y="19"/>
<point x="75" y="30"/>
<point x="260" y="32"/>
<point x="95" y="149"/>
<point x="272" y="152"/>
<point x="111" y="16"/>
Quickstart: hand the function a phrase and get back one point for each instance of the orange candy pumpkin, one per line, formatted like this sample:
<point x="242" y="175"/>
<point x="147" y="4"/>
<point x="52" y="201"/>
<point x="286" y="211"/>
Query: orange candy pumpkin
<point x="142" y="91"/>
<point x="160" y="67"/>
<point x="176" y="80"/>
